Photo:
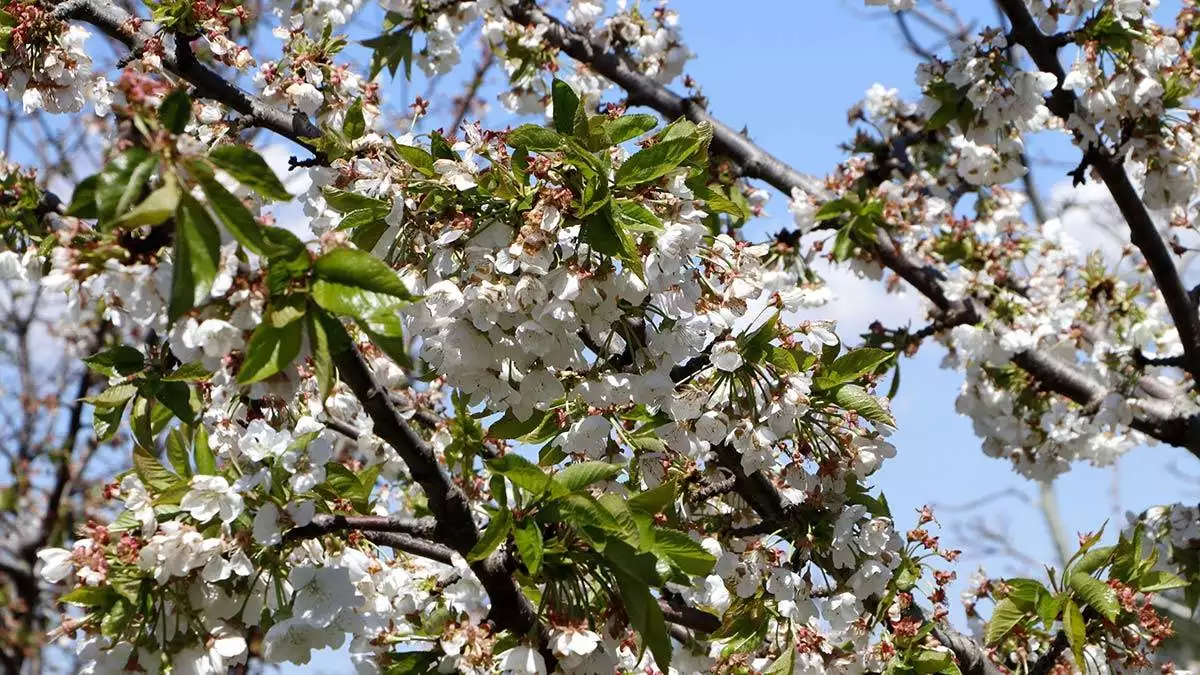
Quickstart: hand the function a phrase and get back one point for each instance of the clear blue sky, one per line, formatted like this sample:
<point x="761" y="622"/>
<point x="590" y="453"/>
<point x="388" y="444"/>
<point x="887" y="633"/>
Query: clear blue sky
<point x="787" y="70"/>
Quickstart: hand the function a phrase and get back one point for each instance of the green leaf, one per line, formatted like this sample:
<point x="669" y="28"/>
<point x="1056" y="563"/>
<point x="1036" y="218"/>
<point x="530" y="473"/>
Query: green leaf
<point x="851" y="366"/>
<point x="391" y="50"/>
<point x="175" y="111"/>
<point x="91" y="596"/>
<point x="318" y="341"/>
<point x="626" y="521"/>
<point x="359" y="269"/>
<point x="354" y="125"/>
<point x="908" y="575"/>
<point x="286" y="309"/>
<point x="521" y="473"/>
<point x="286" y="250"/>
<point x="177" y="397"/>
<point x="154" y="209"/>
<point x="1097" y="594"/>
<point x="926" y="661"/>
<point x="341" y="480"/>
<point x="716" y="201"/>
<point x="1094" y="559"/>
<point x="627" y="127"/>
<point x="197" y="258"/>
<point x="206" y="462"/>
<point x="233" y="214"/>
<point x="1048" y="608"/>
<point x="1155" y="581"/>
<point x="566" y="103"/>
<point x="757" y="345"/>
<point x="116" y="619"/>
<point x="582" y="474"/>
<point x="1025" y="593"/>
<point x="151" y="471"/>
<point x="536" y="138"/>
<point x="646" y="618"/>
<point x="943" y="116"/>
<point x="509" y="426"/>
<point x="654" y="501"/>
<point x="441" y="148"/>
<point x="121" y="181"/>
<point x="270" y="351"/>
<point x="83" y="199"/>
<point x="380" y="312"/>
<point x="106" y="421"/>
<point x="124" y="523"/>
<point x="684" y="552"/>
<point x="344" y="201"/>
<point x="637" y="564"/>
<point x="854" y="397"/>
<point x="122" y="359"/>
<point x="495" y="534"/>
<point x="1005" y="616"/>
<point x="188" y="372"/>
<point x="782" y="359"/>
<point x="249" y="169"/>
<point x="140" y="422"/>
<point x="1075" y="629"/>
<point x="344" y="483"/>
<point x="177" y="452"/>
<point x="633" y="217"/>
<point x="656" y="161"/>
<point x="530" y="544"/>
<point x="412" y="663"/>
<point x="417" y="158"/>
<point x="116" y="395"/>
<point x="602" y="233"/>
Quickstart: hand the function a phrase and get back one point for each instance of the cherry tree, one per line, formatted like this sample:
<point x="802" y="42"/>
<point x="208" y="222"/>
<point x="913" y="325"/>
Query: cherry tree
<point x="533" y="399"/>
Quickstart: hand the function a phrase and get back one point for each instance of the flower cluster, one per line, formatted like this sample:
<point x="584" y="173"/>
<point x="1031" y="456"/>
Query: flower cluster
<point x="45" y="63"/>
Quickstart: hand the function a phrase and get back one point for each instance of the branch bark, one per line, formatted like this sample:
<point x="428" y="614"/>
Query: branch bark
<point x="1144" y="234"/>
<point x="455" y="526"/>
<point x="120" y="25"/>
<point x="325" y="523"/>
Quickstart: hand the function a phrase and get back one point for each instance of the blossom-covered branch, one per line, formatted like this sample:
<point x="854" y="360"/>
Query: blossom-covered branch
<point x="1108" y="164"/>
<point x="142" y="37"/>
<point x="528" y="399"/>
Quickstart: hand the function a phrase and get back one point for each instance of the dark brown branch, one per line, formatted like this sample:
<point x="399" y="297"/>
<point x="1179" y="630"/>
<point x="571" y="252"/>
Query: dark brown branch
<point x="753" y="161"/>
<point x="755" y="488"/>
<point x="325" y="523"/>
<point x="413" y="545"/>
<point x="116" y="23"/>
<point x="689" y="617"/>
<point x="1047" y="661"/>
<point x="714" y="489"/>
<point x="1144" y="234"/>
<point x="455" y="525"/>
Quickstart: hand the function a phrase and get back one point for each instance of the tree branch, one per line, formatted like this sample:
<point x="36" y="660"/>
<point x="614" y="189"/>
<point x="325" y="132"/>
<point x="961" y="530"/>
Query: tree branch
<point x="1179" y="427"/>
<point x="455" y="526"/>
<point x="414" y="545"/>
<point x="1144" y="234"/>
<point x="325" y="523"/>
<point x="753" y="161"/>
<point x="119" y="25"/>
